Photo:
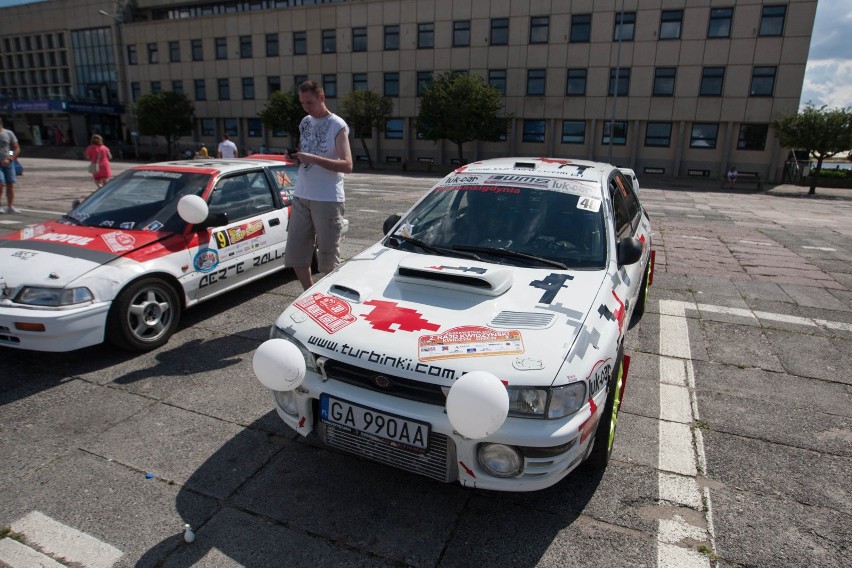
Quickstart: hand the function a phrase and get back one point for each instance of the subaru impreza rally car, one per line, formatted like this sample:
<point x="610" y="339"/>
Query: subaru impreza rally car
<point x="154" y="240"/>
<point x="482" y="339"/>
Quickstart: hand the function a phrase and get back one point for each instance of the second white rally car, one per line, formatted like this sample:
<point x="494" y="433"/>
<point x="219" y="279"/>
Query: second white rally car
<point x="482" y="339"/>
<point x="156" y="239"/>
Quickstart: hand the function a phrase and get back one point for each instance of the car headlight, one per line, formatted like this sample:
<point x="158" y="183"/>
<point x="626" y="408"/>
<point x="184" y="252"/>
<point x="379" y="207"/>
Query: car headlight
<point x="556" y="402"/>
<point x="310" y="362"/>
<point x="53" y="297"/>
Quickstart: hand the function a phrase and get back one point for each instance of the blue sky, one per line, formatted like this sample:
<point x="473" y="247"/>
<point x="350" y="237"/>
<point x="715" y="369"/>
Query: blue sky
<point x="828" y="78"/>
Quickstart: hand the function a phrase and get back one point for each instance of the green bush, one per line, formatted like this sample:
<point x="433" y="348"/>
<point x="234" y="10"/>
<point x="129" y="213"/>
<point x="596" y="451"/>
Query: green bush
<point x="832" y="173"/>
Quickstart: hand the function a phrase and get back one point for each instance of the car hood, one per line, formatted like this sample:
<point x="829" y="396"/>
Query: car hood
<point x="435" y="318"/>
<point x="55" y="254"/>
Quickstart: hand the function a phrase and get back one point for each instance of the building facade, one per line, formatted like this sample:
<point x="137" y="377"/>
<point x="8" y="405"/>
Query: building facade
<point x="667" y="87"/>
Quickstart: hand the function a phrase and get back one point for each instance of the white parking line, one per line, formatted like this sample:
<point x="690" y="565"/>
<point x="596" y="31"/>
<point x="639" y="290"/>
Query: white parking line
<point x="827" y="249"/>
<point x="61" y="541"/>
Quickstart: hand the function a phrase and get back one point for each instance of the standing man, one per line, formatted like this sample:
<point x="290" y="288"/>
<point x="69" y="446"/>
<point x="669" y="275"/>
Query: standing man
<point x="9" y="150"/>
<point x="227" y="149"/>
<point x="316" y="218"/>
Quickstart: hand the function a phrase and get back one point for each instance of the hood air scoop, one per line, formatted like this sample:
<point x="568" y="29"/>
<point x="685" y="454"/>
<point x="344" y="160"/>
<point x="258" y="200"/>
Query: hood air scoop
<point x="455" y="274"/>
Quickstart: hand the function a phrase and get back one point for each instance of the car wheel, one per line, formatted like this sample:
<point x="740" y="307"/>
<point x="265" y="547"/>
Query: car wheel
<point x="639" y="310"/>
<point x="605" y="432"/>
<point x="144" y="315"/>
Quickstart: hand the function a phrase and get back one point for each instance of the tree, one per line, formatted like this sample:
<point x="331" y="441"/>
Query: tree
<point x="283" y="112"/>
<point x="363" y="111"/>
<point x="822" y="132"/>
<point x="167" y="114"/>
<point x="461" y="107"/>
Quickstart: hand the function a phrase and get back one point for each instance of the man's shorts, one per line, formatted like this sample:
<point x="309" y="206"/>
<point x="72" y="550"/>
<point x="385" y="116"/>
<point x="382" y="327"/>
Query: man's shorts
<point x="314" y="223"/>
<point x="7" y="173"/>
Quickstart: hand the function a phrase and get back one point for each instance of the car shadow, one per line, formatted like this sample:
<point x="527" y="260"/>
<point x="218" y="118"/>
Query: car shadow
<point x="315" y="506"/>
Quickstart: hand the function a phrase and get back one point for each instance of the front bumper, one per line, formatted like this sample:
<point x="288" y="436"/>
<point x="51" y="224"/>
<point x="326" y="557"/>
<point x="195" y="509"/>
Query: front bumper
<point x="64" y="330"/>
<point x="451" y="457"/>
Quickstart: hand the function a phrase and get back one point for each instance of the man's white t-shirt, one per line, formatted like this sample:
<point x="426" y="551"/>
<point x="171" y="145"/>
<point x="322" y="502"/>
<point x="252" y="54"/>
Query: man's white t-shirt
<point x="317" y="136"/>
<point x="228" y="149"/>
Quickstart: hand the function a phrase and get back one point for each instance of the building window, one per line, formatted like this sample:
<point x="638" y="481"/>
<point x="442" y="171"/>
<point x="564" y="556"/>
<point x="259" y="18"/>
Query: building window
<point x="658" y="134"/>
<point x="174" y="52"/>
<point x="391" y="84"/>
<point x="391" y="38"/>
<point x="156" y="87"/>
<point x="772" y="20"/>
<point x="254" y="127"/>
<point x="231" y="126"/>
<point x="497" y="79"/>
<point x="245" y="47"/>
<point x="581" y="28"/>
<point x="536" y="79"/>
<point x="573" y="132"/>
<point x="329" y="85"/>
<point x="273" y="84"/>
<point x="393" y="128"/>
<point x="132" y="59"/>
<point x="424" y="81"/>
<point x="752" y="137"/>
<point x="248" y="88"/>
<point x="177" y="87"/>
<point x="197" y="50"/>
<point x="221" y="47"/>
<point x="359" y="82"/>
<point x="703" y="135"/>
<point x="762" y="82"/>
<point x="720" y="22"/>
<point x="208" y="127"/>
<point x="359" y="39"/>
<point x="623" y="82"/>
<point x="135" y="91"/>
<point x="500" y="31"/>
<point x="625" y="26"/>
<point x="224" y="90"/>
<point x="272" y="48"/>
<point x="533" y="131"/>
<point x="619" y="133"/>
<point x="425" y="36"/>
<point x="670" y="24"/>
<point x="200" y="90"/>
<point x="712" y="80"/>
<point x="300" y="43"/>
<point x="329" y="41"/>
<point x="575" y="86"/>
<point x="461" y="33"/>
<point x="664" y="81"/>
<point x="298" y="80"/>
<point x="153" y="54"/>
<point x="539" y="29"/>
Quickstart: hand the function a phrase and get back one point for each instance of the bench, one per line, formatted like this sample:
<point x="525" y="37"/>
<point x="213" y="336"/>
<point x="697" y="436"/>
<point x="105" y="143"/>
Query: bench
<point x="743" y="178"/>
<point x="421" y="164"/>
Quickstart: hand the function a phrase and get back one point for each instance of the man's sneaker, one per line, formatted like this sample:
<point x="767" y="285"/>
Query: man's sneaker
<point x="2" y="209"/>
<point x="13" y="210"/>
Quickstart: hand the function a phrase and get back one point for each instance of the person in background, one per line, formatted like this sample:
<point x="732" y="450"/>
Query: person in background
<point x="731" y="176"/>
<point x="202" y="152"/>
<point x="9" y="151"/>
<point x="316" y="219"/>
<point x="227" y="149"/>
<point x="98" y="153"/>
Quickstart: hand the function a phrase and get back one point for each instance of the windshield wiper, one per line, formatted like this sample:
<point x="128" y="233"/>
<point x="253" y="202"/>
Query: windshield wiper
<point x="499" y="251"/>
<point x="73" y="220"/>
<point x="433" y="249"/>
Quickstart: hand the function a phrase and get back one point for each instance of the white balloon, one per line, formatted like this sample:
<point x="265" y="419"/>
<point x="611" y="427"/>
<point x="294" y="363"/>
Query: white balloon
<point x="477" y="404"/>
<point x="279" y="365"/>
<point x="192" y="209"/>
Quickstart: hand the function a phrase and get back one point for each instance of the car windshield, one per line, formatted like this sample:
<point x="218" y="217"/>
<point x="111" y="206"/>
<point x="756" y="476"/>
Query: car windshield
<point x="521" y="226"/>
<point x="143" y="200"/>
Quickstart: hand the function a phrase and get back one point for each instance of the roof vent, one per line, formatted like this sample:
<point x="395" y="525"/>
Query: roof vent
<point x="525" y="165"/>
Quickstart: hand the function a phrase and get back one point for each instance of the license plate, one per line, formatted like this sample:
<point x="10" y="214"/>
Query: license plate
<point x="389" y="428"/>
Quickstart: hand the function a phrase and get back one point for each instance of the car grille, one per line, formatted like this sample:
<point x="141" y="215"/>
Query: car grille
<point x="438" y="463"/>
<point x="396" y="386"/>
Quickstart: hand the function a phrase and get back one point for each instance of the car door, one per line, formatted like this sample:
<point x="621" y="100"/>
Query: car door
<point x="628" y="216"/>
<point x="250" y="241"/>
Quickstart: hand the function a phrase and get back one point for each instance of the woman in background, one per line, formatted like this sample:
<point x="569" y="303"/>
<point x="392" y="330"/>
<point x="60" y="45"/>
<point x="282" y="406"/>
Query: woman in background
<point x="99" y="157"/>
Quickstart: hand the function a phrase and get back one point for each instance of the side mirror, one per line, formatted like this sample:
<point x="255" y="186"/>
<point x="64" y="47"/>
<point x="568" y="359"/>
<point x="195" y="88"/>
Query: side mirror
<point x="213" y="220"/>
<point x="390" y="222"/>
<point x="628" y="251"/>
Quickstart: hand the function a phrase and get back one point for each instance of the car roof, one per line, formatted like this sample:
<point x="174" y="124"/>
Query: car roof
<point x="222" y="166"/>
<point x="581" y="170"/>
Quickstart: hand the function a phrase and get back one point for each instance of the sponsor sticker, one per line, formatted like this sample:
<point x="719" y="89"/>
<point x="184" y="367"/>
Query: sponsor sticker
<point x="63" y="238"/>
<point x="206" y="260"/>
<point x="118" y="241"/>
<point x="589" y="204"/>
<point x="469" y="341"/>
<point x="234" y="235"/>
<point x="153" y="226"/>
<point x="330" y="313"/>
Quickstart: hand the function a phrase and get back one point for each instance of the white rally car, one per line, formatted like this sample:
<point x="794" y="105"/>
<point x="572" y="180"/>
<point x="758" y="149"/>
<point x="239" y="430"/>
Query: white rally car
<point x="481" y="340"/>
<point x="156" y="239"/>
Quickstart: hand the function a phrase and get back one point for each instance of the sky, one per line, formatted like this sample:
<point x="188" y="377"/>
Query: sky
<point x="828" y="77"/>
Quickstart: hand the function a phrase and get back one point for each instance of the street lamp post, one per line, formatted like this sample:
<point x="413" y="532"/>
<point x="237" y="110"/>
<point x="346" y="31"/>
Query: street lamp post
<point x="620" y="19"/>
<point x="125" y="91"/>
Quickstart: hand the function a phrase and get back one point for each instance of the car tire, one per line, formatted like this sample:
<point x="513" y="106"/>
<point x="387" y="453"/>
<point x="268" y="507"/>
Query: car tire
<point x="605" y="432"/>
<point x="639" y="310"/>
<point x="144" y="316"/>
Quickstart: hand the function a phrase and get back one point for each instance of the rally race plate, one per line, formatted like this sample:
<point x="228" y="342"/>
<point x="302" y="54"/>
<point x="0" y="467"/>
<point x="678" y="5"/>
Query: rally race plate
<point x="391" y="429"/>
